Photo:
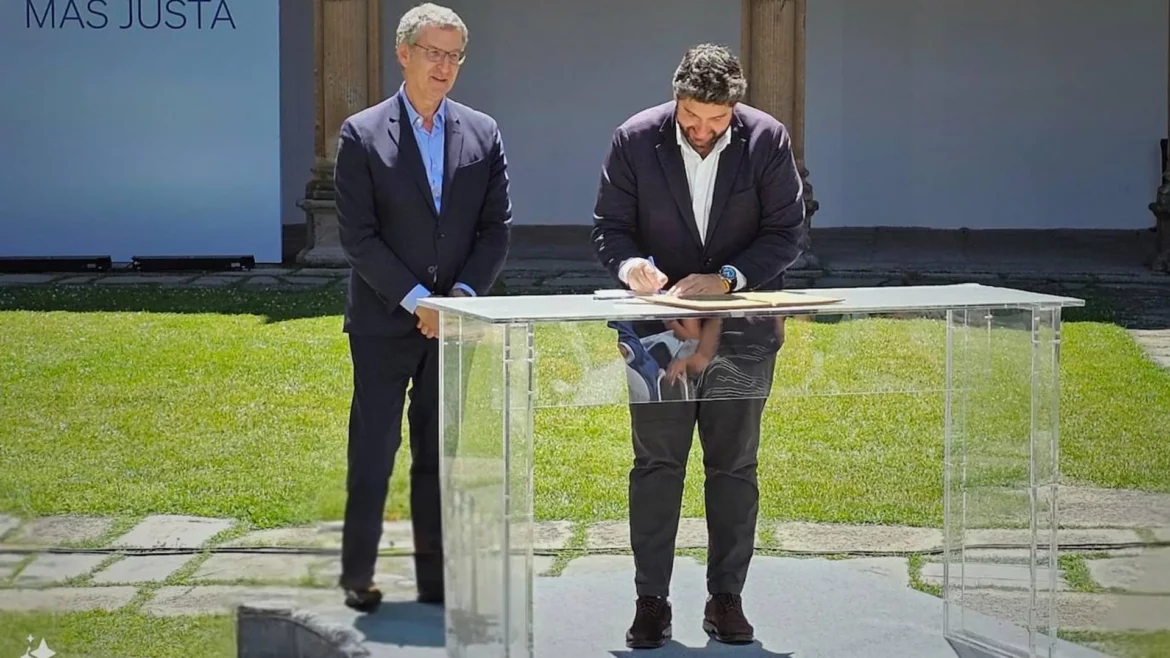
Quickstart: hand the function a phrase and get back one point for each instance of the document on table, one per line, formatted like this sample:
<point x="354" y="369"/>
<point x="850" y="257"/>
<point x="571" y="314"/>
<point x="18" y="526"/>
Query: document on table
<point x="770" y="299"/>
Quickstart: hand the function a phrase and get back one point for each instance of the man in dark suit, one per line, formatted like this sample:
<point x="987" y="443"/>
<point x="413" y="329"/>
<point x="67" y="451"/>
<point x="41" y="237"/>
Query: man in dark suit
<point x="700" y="195"/>
<point x="424" y="209"/>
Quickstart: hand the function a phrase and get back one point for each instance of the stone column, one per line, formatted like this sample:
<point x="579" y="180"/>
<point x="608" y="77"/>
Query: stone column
<point x="347" y="40"/>
<point x="773" y="52"/>
<point x="1160" y="260"/>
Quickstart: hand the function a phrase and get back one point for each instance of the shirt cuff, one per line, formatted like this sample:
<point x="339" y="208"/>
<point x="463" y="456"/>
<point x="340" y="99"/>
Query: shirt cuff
<point x="410" y="301"/>
<point x="465" y="288"/>
<point x="624" y="268"/>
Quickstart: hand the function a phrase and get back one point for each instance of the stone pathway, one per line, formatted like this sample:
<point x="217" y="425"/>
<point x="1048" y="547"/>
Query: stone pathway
<point x="178" y="565"/>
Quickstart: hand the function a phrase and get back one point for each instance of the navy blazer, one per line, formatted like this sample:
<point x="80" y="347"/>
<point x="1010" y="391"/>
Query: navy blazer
<point x="644" y="207"/>
<point x="389" y="230"/>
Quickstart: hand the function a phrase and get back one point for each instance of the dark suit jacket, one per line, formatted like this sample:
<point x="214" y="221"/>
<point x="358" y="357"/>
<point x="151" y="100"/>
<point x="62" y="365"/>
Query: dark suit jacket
<point x="389" y="230"/>
<point x="644" y="203"/>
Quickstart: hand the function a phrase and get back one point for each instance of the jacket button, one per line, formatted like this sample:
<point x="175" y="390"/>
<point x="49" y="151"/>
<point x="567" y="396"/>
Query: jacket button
<point x="707" y="262"/>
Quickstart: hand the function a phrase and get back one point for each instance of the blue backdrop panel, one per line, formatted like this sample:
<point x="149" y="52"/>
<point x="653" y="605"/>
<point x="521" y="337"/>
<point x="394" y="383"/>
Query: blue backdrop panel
<point x="140" y="127"/>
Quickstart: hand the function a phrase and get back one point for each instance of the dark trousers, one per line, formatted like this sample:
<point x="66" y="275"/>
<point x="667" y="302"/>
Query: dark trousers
<point x="727" y="409"/>
<point x="382" y="369"/>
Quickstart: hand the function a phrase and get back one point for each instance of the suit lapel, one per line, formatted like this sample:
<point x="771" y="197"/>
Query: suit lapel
<point x="676" y="176"/>
<point x="403" y="135"/>
<point x="729" y="162"/>
<point x="453" y="152"/>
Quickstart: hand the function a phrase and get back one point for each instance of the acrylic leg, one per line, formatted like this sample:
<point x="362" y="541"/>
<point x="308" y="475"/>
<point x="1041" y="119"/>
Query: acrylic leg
<point x="486" y="439"/>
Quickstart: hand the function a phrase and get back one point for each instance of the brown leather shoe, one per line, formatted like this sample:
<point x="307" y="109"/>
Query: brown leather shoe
<point x="363" y="600"/>
<point x="651" y="627"/>
<point x="723" y="619"/>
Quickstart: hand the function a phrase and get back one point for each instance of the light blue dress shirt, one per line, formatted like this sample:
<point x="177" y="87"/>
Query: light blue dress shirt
<point x="431" y="146"/>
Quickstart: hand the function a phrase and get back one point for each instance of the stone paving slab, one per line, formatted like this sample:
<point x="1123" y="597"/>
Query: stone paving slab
<point x="172" y="531"/>
<point x="611" y="535"/>
<point x="308" y="280"/>
<point x="298" y="537"/>
<point x="548" y="536"/>
<point x="840" y="538"/>
<point x="76" y="280"/>
<point x="25" y="279"/>
<point x="395" y="534"/>
<point x="1161" y="534"/>
<point x="222" y="599"/>
<point x="141" y="569"/>
<point x="987" y="575"/>
<point x="552" y="535"/>
<point x="1120" y="508"/>
<point x="1148" y="573"/>
<point x="8" y="562"/>
<point x="1156" y="343"/>
<point x="49" y="568"/>
<point x="262" y="282"/>
<point x="389" y="571"/>
<point x="214" y="281"/>
<point x="604" y="564"/>
<point x="61" y="530"/>
<point x="139" y="279"/>
<point x="238" y="566"/>
<point x="7" y="523"/>
<point x="1104" y="612"/>
<point x="1067" y="538"/>
<point x="66" y="598"/>
<point x="896" y="570"/>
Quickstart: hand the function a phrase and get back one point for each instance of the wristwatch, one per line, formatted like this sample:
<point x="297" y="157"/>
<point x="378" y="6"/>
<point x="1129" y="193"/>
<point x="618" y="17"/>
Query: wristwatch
<point x="727" y="273"/>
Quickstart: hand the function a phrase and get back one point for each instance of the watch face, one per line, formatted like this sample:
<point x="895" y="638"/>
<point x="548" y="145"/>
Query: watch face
<point x="727" y="273"/>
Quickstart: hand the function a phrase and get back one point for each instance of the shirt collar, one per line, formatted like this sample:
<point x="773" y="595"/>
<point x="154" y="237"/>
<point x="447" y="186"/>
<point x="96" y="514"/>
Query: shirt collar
<point x="416" y="118"/>
<point x="720" y="143"/>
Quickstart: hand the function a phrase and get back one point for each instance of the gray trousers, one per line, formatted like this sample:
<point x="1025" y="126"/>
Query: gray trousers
<point x="729" y="432"/>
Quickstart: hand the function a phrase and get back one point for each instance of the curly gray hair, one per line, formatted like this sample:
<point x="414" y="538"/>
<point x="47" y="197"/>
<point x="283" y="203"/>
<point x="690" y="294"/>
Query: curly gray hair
<point x="710" y="74"/>
<point x="427" y="15"/>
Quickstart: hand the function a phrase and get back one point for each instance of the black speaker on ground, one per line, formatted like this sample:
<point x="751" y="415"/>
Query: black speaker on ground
<point x="42" y="264"/>
<point x="191" y="263"/>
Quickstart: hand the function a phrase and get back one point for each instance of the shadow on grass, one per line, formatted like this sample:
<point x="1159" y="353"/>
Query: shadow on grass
<point x="275" y="305"/>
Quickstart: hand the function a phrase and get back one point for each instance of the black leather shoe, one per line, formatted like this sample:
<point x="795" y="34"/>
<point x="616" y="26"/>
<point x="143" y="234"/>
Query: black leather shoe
<point x="432" y="597"/>
<point x="651" y="627"/>
<point x="723" y="619"/>
<point x="363" y="600"/>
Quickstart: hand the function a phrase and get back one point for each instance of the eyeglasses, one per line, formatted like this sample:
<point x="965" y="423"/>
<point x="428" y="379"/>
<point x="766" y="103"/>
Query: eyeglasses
<point x="435" y="55"/>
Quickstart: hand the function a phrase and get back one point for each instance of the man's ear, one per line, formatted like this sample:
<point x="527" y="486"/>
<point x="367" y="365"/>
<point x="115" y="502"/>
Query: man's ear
<point x="403" y="51"/>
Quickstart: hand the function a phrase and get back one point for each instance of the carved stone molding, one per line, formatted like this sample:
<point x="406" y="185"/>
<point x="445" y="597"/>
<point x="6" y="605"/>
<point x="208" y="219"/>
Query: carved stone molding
<point x="347" y="41"/>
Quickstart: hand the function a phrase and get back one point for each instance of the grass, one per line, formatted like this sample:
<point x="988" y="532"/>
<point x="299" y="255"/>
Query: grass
<point x="103" y="634"/>
<point x="1076" y="572"/>
<point x="234" y="404"/>
<point x="1124" y="644"/>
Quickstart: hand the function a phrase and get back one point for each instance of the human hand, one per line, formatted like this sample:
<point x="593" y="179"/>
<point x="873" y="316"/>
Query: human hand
<point x="644" y="278"/>
<point x="685" y="329"/>
<point x="458" y="292"/>
<point x="428" y="321"/>
<point x="694" y="364"/>
<point x="700" y="284"/>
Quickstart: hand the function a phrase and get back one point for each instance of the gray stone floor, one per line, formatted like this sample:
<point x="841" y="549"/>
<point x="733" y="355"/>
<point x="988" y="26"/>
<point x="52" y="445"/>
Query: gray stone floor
<point x="187" y="565"/>
<point x="801" y="608"/>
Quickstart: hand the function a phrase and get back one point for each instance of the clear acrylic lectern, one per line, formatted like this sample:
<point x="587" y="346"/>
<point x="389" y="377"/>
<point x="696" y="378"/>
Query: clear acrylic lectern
<point x="968" y="373"/>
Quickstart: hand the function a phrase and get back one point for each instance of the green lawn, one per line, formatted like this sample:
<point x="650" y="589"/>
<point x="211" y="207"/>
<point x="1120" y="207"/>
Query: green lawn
<point x="234" y="404"/>
<point x="119" y="634"/>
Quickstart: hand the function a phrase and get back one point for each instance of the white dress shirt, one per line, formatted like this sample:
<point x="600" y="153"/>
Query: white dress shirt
<point x="701" y="181"/>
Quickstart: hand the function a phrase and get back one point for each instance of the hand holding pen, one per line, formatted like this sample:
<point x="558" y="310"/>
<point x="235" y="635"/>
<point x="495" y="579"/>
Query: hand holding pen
<point x="644" y="278"/>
